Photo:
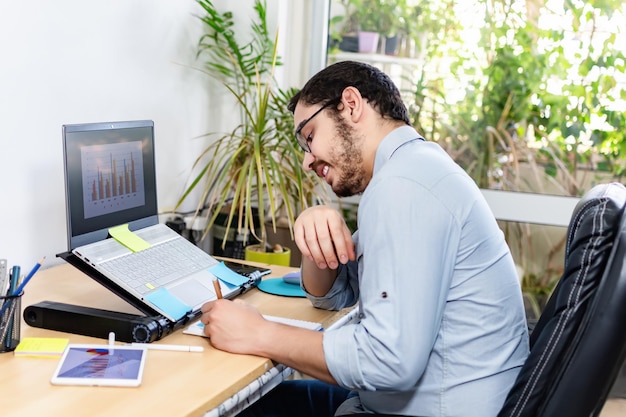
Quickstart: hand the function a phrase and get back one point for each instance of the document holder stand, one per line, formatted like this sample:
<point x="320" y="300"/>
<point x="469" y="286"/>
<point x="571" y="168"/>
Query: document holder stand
<point x="99" y="323"/>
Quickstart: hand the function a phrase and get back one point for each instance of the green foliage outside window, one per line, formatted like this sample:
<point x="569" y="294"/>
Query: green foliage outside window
<point x="526" y="95"/>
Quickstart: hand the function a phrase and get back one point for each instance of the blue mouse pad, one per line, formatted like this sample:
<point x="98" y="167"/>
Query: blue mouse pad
<point x="278" y="286"/>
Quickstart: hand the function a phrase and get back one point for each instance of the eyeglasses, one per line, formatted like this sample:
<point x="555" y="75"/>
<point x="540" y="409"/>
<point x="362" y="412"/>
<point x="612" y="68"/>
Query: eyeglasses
<point x="304" y="141"/>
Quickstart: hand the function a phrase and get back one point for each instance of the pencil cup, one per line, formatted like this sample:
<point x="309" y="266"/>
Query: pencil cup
<point x="10" y="314"/>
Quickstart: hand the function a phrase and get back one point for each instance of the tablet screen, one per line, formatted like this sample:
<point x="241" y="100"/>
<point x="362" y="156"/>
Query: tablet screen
<point x="100" y="365"/>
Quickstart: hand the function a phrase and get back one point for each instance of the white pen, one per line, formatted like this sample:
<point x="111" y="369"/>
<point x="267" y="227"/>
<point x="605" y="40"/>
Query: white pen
<point x="176" y="348"/>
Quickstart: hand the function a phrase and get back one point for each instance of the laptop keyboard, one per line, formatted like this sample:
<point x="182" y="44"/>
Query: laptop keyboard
<point x="159" y="265"/>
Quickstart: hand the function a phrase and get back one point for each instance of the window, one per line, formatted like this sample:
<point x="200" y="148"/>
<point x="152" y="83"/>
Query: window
<point x="526" y="96"/>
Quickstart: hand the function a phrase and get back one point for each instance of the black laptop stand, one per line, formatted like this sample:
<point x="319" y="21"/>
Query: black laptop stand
<point x="99" y="323"/>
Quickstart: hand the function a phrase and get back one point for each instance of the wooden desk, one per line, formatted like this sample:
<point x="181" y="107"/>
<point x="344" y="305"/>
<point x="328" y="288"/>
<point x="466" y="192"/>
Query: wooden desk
<point x="174" y="383"/>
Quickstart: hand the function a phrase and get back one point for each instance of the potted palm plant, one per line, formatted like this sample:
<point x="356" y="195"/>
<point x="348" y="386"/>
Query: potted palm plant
<point x="251" y="176"/>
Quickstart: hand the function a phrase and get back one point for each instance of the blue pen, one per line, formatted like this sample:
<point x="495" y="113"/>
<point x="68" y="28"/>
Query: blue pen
<point x="32" y="272"/>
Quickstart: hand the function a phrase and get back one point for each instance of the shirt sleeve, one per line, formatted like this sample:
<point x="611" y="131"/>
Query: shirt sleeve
<point x="405" y="269"/>
<point x="343" y="293"/>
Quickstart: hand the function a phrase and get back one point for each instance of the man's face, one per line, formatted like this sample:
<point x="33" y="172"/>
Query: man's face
<point x="335" y="146"/>
<point x="347" y="157"/>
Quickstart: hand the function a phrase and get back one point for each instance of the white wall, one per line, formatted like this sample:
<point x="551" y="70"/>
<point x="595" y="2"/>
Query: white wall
<point x="76" y="61"/>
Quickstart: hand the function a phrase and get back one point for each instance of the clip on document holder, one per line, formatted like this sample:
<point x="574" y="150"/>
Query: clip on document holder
<point x="99" y="323"/>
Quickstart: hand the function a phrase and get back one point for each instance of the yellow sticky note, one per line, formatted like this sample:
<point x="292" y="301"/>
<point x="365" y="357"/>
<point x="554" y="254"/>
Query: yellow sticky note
<point x="128" y="238"/>
<point x="43" y="347"/>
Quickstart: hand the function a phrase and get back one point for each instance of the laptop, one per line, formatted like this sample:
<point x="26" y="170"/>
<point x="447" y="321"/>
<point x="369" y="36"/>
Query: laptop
<point x="110" y="183"/>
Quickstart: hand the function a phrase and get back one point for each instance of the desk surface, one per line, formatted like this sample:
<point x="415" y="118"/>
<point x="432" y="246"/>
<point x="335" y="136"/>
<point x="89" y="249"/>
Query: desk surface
<point x="174" y="383"/>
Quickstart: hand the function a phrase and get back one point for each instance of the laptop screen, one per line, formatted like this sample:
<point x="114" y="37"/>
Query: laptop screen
<point x="110" y="178"/>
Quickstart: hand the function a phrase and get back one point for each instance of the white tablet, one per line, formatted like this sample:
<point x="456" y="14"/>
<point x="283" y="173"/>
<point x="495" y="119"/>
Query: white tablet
<point x="100" y="365"/>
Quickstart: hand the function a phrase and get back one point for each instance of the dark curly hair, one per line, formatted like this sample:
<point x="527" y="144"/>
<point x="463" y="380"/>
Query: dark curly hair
<point x="373" y="84"/>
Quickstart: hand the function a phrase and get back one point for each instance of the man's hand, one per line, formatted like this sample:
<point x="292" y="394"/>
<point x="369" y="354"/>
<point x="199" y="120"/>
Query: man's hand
<point x="323" y="237"/>
<point x="238" y="327"/>
<point x="233" y="326"/>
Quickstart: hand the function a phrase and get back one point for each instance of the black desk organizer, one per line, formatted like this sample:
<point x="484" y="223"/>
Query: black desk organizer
<point x="99" y="323"/>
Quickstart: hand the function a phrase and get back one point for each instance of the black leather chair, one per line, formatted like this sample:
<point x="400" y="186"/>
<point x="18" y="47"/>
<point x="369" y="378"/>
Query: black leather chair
<point x="578" y="345"/>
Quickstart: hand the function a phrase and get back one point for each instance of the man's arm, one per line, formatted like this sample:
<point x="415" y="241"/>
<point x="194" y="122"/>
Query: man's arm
<point x="316" y="281"/>
<point x="237" y="327"/>
<point x="325" y="242"/>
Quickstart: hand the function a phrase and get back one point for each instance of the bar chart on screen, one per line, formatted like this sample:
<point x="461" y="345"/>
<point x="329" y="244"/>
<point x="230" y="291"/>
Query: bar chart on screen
<point x="112" y="177"/>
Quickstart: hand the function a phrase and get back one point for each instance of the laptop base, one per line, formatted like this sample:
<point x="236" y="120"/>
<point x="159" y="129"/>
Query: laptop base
<point x="88" y="321"/>
<point x="99" y="323"/>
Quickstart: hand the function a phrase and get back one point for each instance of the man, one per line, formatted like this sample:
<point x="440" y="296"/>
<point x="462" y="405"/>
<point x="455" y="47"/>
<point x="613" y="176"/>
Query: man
<point x="442" y="330"/>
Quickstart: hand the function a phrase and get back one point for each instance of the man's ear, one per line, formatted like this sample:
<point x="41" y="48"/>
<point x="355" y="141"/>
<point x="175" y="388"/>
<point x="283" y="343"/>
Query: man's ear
<point x="353" y="103"/>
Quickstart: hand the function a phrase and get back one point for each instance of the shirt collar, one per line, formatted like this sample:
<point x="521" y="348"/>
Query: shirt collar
<point x="394" y="140"/>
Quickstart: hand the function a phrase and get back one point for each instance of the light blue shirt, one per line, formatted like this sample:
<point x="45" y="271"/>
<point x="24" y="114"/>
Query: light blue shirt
<point x="442" y="328"/>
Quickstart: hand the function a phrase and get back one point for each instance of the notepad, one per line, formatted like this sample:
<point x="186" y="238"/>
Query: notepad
<point x="42" y="347"/>
<point x="311" y="325"/>
<point x="197" y="328"/>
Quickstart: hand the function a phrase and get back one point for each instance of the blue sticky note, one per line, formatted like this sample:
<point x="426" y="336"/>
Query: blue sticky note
<point x="169" y="303"/>
<point x="227" y="275"/>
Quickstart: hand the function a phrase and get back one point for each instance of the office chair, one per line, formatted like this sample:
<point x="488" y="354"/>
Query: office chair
<point x="578" y="344"/>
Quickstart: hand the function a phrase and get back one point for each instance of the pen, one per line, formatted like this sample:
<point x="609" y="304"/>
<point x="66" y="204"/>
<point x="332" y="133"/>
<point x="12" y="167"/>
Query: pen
<point x="8" y="329"/>
<point x="175" y="348"/>
<point x="15" y="277"/>
<point x="28" y="277"/>
<point x="218" y="290"/>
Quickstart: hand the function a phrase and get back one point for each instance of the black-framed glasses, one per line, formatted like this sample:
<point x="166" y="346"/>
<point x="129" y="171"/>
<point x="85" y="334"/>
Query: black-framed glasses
<point x="302" y="140"/>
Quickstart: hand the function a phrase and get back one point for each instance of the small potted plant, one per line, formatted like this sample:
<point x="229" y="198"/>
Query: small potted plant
<point x="377" y="20"/>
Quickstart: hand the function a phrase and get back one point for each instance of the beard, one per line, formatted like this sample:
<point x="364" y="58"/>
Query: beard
<point x="347" y="158"/>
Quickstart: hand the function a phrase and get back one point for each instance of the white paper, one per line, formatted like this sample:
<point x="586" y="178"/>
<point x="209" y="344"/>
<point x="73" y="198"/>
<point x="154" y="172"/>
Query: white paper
<point x="197" y="328"/>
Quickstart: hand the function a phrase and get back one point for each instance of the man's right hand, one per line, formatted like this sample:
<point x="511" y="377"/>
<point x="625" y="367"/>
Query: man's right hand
<point x="323" y="237"/>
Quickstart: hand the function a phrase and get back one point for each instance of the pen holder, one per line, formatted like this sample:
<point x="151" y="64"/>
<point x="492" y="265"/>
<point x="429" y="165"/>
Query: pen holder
<point x="10" y="323"/>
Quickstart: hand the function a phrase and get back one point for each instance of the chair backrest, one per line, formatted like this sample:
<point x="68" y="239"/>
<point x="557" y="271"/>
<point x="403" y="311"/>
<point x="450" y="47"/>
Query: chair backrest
<point x="579" y="343"/>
